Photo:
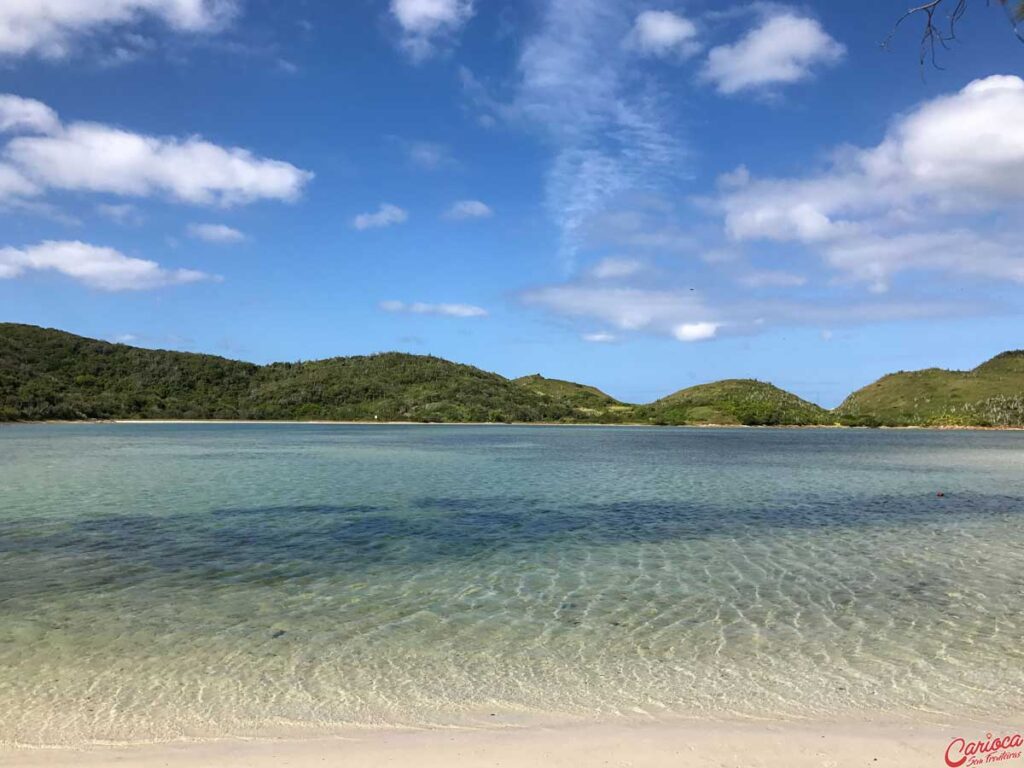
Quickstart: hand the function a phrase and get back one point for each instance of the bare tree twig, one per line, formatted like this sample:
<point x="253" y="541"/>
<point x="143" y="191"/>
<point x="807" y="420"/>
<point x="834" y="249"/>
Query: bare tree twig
<point x="941" y="32"/>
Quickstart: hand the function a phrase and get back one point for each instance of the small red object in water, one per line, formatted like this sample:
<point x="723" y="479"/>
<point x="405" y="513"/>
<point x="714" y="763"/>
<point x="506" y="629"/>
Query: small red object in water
<point x="940" y="494"/>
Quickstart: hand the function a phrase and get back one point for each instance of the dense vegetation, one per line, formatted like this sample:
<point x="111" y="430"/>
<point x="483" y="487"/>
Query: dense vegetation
<point x="49" y="374"/>
<point x="991" y="395"/>
<point x="588" y="402"/>
<point x="734" y="401"/>
<point x="46" y="374"/>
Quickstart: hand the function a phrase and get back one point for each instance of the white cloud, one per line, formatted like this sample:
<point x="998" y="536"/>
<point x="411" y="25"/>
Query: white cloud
<point x="385" y="216"/>
<point x="49" y="28"/>
<point x="23" y="115"/>
<point x="611" y="268"/>
<point x="874" y="259"/>
<point x="215" y="233"/>
<point x="426" y="24"/>
<point x="611" y="138"/>
<point x="601" y="337"/>
<point x="14" y="185"/>
<point x="97" y="267"/>
<point x="686" y="315"/>
<point x="469" y="209"/>
<point x="958" y="144"/>
<point x="784" y="49"/>
<point x="423" y="308"/>
<point x="695" y="331"/>
<point x="663" y="33"/>
<point x="627" y="309"/>
<point x="93" y="157"/>
<point x="873" y="212"/>
<point x="98" y="158"/>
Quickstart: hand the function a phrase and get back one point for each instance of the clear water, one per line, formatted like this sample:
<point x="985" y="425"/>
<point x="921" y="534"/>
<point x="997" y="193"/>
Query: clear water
<point x="169" y="581"/>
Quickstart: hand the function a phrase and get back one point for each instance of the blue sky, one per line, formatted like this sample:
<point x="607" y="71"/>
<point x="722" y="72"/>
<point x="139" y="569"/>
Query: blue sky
<point x="640" y="196"/>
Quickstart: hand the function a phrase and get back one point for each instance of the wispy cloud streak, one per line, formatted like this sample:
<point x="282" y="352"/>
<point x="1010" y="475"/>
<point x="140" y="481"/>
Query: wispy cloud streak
<point x="605" y="124"/>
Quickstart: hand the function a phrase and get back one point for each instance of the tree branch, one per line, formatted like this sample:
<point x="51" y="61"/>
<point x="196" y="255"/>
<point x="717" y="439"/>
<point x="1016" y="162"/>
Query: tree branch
<point x="941" y="32"/>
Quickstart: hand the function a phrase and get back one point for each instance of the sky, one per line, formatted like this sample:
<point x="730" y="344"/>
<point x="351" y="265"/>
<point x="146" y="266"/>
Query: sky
<point x="641" y="196"/>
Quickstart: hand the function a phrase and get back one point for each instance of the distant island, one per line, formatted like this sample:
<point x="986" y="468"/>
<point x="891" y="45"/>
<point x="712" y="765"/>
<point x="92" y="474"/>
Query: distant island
<point x="47" y="374"/>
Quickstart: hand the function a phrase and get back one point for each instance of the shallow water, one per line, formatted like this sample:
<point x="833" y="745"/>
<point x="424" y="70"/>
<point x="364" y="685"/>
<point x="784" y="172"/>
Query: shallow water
<point x="167" y="581"/>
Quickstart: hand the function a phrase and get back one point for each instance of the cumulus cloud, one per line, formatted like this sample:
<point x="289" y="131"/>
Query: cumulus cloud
<point x="423" y="308"/>
<point x="611" y="268"/>
<point x="385" y="216"/>
<point x="958" y="145"/>
<point x="873" y="212"/>
<point x="23" y="115"/>
<point x="469" y="209"/>
<point x="102" y="268"/>
<point x="427" y="24"/>
<point x="783" y="49"/>
<point x="215" y="233"/>
<point x="695" y="331"/>
<point x="93" y="157"/>
<point x="49" y="28"/>
<point x="663" y="33"/>
<point x="98" y="158"/>
<point x="14" y="185"/>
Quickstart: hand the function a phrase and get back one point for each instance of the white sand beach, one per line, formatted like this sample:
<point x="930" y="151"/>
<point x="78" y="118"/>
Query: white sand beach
<point x="638" y="745"/>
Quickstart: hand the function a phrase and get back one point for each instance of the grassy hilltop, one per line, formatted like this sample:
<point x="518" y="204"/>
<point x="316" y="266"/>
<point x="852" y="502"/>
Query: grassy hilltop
<point x="586" y="400"/>
<point x="50" y="374"/>
<point x="991" y="395"/>
<point x="735" y="401"/>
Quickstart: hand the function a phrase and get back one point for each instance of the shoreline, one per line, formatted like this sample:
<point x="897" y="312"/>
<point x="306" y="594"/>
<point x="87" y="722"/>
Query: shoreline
<point x="321" y="422"/>
<point x="702" y="742"/>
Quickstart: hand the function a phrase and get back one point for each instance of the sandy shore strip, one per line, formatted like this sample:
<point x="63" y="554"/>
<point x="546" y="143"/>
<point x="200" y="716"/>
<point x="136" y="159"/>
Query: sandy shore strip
<point x="646" y="425"/>
<point x="638" y="745"/>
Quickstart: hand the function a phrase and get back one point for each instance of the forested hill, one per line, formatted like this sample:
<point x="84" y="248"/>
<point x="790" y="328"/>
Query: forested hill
<point x="50" y="374"/>
<point x="736" y="401"/>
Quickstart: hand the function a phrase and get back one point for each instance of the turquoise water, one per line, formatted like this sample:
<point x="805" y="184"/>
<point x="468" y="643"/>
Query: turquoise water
<point x="169" y="581"/>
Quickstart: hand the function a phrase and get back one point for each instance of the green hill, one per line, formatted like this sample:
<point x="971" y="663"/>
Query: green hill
<point x="590" y="402"/>
<point x="49" y="374"/>
<point x="990" y="395"/>
<point x="734" y="401"/>
<point x="582" y="393"/>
